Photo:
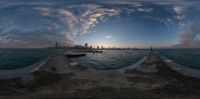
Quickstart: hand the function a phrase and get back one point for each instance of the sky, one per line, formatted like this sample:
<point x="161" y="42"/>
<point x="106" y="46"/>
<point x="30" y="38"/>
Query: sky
<point x="119" y="23"/>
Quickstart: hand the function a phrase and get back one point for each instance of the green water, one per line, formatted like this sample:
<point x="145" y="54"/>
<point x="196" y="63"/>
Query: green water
<point x="18" y="58"/>
<point x="185" y="57"/>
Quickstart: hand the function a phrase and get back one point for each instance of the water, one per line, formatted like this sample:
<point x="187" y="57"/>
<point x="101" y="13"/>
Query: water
<point x="111" y="59"/>
<point x="18" y="58"/>
<point x="185" y="57"/>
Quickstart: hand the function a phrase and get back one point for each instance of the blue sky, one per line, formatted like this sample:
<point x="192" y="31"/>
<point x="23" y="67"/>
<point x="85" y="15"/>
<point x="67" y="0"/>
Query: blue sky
<point x="119" y="23"/>
<point x="131" y="32"/>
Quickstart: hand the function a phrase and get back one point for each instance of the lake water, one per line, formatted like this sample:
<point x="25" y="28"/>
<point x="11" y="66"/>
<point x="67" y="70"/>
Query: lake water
<point x="111" y="59"/>
<point x="185" y="57"/>
<point x="18" y="58"/>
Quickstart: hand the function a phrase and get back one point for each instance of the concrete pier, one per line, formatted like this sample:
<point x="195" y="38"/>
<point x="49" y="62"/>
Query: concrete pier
<point x="149" y="78"/>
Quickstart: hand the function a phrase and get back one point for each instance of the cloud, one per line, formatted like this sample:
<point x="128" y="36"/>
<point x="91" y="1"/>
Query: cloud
<point x="92" y="17"/>
<point x="145" y="9"/>
<point x="42" y="37"/>
<point x="179" y="9"/>
<point x="125" y="2"/>
<point x="183" y="11"/>
<point x="42" y="22"/>
<point x="108" y="37"/>
<point x="45" y="11"/>
<point x="190" y="37"/>
<point x="37" y="24"/>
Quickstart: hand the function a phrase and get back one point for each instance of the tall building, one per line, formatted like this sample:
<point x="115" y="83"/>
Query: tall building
<point x="91" y="47"/>
<point x="60" y="45"/>
<point x="102" y="47"/>
<point x="97" y="47"/>
<point x="56" y="45"/>
<point x="86" y="45"/>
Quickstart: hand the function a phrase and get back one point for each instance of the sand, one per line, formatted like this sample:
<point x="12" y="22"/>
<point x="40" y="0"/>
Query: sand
<point x="151" y="77"/>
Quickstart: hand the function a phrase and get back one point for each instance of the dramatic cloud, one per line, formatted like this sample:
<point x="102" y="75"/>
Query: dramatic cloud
<point x="35" y="24"/>
<point x="190" y="37"/>
<point x="38" y="23"/>
<point x="92" y="17"/>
